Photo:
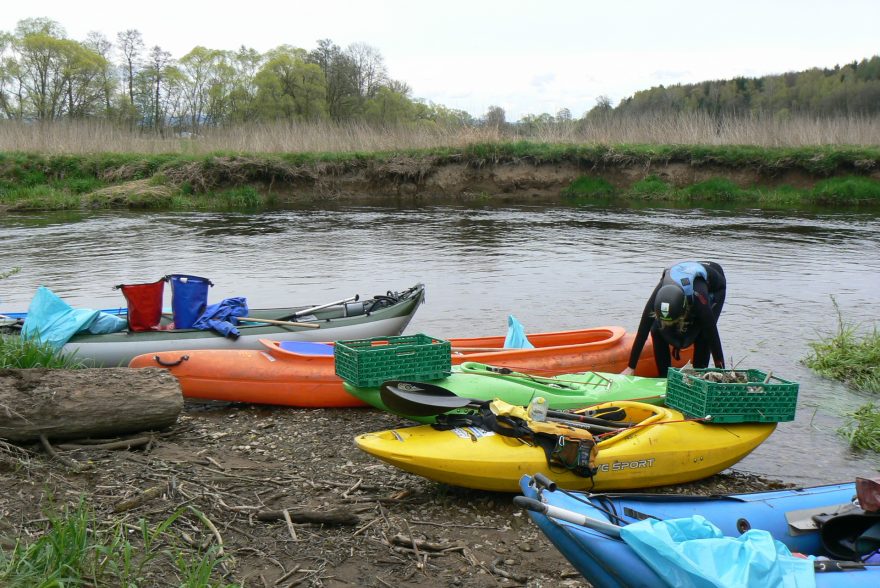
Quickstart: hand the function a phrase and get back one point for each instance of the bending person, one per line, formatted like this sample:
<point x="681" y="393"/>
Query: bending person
<point x="682" y="311"/>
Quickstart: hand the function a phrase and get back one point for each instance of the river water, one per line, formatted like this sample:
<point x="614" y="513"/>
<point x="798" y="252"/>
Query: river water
<point x="554" y="268"/>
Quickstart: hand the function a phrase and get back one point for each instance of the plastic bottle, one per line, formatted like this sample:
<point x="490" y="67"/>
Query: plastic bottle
<point x="538" y="409"/>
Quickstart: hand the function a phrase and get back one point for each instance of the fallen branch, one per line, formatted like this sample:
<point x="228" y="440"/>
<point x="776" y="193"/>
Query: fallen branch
<point x="330" y="517"/>
<point x="122" y="444"/>
<point x="142" y="498"/>
<point x="44" y="441"/>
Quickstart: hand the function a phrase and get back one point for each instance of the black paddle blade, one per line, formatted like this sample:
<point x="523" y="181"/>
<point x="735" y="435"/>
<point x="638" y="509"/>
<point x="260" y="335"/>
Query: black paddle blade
<point x="420" y="399"/>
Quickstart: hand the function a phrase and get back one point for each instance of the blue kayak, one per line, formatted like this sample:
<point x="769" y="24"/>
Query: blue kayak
<point x="586" y="527"/>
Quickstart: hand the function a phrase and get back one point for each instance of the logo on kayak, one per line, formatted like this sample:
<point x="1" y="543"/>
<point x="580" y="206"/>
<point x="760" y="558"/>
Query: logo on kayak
<point x="619" y="466"/>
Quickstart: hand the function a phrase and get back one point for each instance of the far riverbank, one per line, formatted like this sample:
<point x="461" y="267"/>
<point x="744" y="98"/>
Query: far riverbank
<point x="519" y="172"/>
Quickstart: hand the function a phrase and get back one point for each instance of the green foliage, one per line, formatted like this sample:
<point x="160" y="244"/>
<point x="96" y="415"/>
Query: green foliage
<point x="846" y="190"/>
<point x="589" y="187"/>
<point x="238" y="198"/>
<point x="715" y="189"/>
<point x="862" y="429"/>
<point x="847" y="356"/>
<point x="651" y="187"/>
<point x="849" y="90"/>
<point x="78" y="550"/>
<point x="21" y="352"/>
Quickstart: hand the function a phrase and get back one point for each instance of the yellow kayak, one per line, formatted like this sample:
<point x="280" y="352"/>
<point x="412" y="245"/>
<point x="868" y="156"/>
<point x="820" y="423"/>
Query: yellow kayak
<point x="662" y="449"/>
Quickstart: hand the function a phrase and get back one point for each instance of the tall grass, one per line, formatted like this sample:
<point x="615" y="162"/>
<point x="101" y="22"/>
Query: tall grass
<point x="77" y="550"/>
<point x="848" y="356"/>
<point x="22" y="353"/>
<point x="863" y="428"/>
<point x="95" y="136"/>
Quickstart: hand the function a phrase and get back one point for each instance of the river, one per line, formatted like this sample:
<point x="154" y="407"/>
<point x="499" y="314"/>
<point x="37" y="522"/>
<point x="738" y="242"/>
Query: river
<point x="553" y="268"/>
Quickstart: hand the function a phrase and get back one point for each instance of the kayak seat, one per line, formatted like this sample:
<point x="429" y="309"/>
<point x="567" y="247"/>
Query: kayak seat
<point x="306" y="347"/>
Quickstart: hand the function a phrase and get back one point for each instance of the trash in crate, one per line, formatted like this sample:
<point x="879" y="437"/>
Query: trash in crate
<point x="731" y="396"/>
<point x="369" y="362"/>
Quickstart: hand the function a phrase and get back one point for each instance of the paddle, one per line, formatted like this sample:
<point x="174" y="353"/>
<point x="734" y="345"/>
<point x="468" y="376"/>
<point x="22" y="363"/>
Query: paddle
<point x="569" y="516"/>
<point x="422" y="399"/>
<point x="354" y="298"/>
<point x="253" y="319"/>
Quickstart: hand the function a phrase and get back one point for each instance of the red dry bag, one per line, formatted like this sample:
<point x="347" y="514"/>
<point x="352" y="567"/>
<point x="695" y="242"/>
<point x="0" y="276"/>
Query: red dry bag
<point x="144" y="304"/>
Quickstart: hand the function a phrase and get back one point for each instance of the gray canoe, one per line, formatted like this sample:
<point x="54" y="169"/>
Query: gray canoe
<point x="380" y="316"/>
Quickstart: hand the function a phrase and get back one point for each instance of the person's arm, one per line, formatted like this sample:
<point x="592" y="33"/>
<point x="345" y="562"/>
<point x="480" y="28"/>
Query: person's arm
<point x="708" y="325"/>
<point x="642" y="334"/>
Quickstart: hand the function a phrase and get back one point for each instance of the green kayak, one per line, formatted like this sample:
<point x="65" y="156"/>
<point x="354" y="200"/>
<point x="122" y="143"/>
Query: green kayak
<point x="479" y="381"/>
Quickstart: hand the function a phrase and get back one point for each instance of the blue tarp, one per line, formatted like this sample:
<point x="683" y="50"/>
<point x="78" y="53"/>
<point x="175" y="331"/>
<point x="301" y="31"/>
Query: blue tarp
<point x="516" y="335"/>
<point x="51" y="320"/>
<point x="221" y="317"/>
<point x="693" y="552"/>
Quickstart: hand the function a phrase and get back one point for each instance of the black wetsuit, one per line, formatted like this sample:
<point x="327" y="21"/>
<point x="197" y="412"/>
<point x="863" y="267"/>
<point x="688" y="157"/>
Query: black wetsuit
<point x="700" y="325"/>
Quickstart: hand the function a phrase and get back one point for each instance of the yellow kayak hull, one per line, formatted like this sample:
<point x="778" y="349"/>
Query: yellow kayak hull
<point x="665" y="449"/>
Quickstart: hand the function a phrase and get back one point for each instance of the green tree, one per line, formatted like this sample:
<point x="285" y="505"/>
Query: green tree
<point x="289" y="88"/>
<point x="200" y="74"/>
<point x="342" y="97"/>
<point x="390" y="105"/>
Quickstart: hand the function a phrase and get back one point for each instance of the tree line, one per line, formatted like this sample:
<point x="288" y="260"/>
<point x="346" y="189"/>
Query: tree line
<point x="849" y="90"/>
<point x="45" y="76"/>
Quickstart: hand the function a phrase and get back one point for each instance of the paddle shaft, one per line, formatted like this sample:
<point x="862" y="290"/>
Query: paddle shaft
<point x="354" y="298"/>
<point x="252" y="319"/>
<point x="569" y="516"/>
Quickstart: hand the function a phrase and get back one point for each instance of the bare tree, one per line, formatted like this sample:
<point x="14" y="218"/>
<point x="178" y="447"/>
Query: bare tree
<point x="98" y="43"/>
<point x="370" y="72"/>
<point x="131" y="43"/>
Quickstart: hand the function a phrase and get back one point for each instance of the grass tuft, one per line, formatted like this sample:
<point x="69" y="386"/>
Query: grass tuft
<point x="863" y="428"/>
<point x="23" y="353"/>
<point x="848" y="356"/>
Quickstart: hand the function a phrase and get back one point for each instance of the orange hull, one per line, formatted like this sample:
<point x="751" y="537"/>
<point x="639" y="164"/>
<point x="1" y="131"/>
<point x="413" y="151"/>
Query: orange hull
<point x="277" y="376"/>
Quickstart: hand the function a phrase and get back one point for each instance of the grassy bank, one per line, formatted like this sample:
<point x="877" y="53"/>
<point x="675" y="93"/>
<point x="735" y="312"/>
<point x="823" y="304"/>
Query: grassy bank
<point x="825" y="176"/>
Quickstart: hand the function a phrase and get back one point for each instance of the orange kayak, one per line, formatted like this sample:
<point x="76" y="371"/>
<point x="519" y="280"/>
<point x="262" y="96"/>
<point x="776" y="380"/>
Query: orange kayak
<point x="303" y="374"/>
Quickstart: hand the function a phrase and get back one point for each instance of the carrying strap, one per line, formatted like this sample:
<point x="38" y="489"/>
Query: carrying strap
<point x="565" y="446"/>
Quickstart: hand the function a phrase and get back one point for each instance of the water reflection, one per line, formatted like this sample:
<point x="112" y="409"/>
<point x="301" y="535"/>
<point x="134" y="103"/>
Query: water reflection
<point x="553" y="267"/>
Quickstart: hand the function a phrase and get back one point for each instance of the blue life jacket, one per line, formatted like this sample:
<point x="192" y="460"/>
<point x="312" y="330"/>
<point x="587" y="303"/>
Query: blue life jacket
<point x="683" y="275"/>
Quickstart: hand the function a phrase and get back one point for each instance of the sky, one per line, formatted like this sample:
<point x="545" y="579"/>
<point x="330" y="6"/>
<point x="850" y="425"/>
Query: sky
<point x="527" y="57"/>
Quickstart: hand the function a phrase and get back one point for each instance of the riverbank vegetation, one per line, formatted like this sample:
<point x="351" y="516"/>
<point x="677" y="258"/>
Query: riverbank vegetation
<point x="852" y="357"/>
<point x="747" y="175"/>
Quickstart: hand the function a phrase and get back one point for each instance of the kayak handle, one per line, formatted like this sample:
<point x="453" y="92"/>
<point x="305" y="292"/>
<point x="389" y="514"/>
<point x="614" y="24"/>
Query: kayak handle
<point x="542" y="481"/>
<point x="568" y="516"/>
<point x="182" y="359"/>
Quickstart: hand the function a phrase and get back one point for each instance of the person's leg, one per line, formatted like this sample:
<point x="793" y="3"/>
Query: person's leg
<point x="662" y="357"/>
<point x="718" y="302"/>
<point x="701" y="352"/>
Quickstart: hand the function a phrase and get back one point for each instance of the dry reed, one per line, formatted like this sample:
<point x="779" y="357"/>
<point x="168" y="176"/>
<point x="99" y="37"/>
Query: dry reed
<point x="78" y="137"/>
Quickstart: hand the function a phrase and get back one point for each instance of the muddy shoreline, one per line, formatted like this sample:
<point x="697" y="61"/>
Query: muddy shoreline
<point x="235" y="462"/>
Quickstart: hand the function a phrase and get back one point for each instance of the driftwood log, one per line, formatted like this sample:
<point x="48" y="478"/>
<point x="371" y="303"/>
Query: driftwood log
<point x="96" y="402"/>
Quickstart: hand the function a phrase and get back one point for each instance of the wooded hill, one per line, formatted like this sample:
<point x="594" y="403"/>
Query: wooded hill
<point x="849" y="90"/>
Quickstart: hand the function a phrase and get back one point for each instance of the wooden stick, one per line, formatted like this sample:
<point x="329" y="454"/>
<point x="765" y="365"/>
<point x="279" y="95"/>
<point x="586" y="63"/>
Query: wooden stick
<point x="274" y="322"/>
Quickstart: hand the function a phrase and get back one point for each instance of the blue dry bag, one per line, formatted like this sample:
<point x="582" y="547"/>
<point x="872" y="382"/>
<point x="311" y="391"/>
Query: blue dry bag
<point x="189" y="298"/>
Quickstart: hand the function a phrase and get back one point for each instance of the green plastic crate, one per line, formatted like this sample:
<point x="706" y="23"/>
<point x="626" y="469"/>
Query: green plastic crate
<point x="761" y="400"/>
<point x="367" y="363"/>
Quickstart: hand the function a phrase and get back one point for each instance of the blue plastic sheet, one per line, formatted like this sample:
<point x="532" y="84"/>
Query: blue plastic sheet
<point x="516" y="335"/>
<point x="693" y="552"/>
<point x="53" y="321"/>
<point x="222" y="317"/>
